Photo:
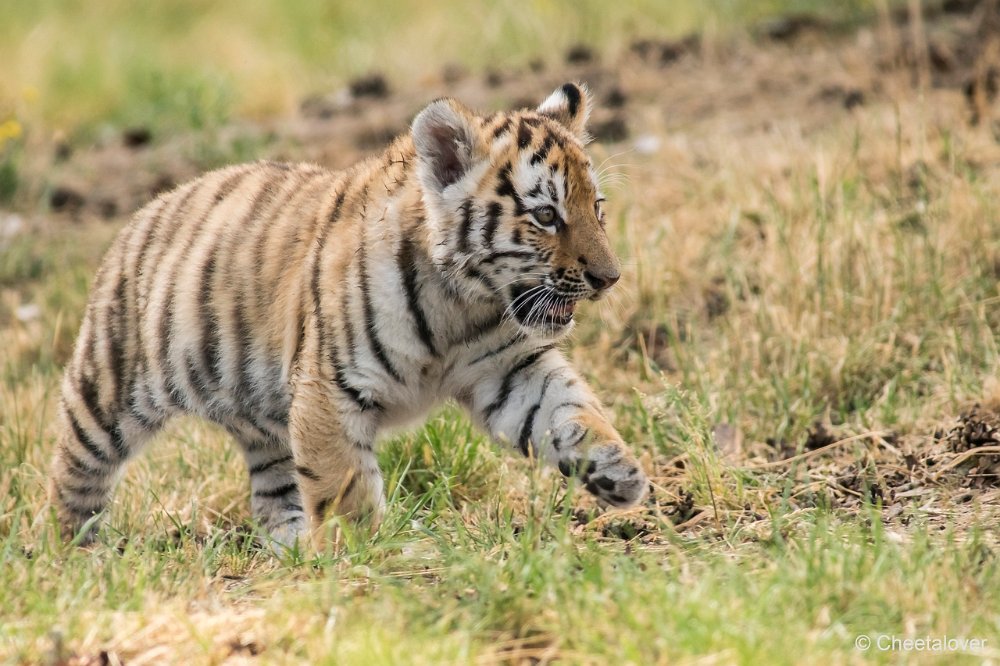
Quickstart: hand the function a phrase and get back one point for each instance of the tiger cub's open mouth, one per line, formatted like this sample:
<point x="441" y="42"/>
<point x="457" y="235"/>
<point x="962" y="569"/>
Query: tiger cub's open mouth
<point x="543" y="308"/>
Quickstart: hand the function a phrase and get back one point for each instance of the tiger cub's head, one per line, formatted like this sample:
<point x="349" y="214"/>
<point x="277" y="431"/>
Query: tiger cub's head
<point x="514" y="210"/>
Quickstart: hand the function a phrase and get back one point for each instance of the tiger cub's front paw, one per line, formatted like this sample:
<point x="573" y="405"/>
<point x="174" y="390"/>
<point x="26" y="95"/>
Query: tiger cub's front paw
<point x="611" y="473"/>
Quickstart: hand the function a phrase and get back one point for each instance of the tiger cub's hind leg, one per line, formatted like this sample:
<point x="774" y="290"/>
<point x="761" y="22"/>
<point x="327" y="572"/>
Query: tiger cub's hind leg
<point x="274" y="492"/>
<point x="93" y="447"/>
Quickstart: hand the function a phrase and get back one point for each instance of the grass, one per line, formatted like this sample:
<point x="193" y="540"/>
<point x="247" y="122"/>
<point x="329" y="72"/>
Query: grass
<point x="787" y="265"/>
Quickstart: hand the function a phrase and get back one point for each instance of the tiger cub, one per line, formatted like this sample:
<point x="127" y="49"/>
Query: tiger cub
<point x="306" y="310"/>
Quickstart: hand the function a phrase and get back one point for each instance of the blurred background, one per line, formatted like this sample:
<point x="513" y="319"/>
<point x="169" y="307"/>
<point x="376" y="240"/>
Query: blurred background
<point x="75" y="65"/>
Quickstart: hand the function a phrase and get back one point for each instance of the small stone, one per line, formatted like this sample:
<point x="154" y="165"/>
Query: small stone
<point x="580" y="54"/>
<point x="372" y="85"/>
<point x="137" y="137"/>
<point x="647" y="144"/>
<point x="27" y="312"/>
<point x="63" y="198"/>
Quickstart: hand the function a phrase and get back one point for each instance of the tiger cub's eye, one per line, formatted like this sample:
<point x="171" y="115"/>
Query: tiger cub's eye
<point x="545" y="214"/>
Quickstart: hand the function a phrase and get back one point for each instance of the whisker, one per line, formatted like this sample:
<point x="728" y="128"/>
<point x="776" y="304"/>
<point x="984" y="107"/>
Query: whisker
<point x="514" y="306"/>
<point x="600" y="167"/>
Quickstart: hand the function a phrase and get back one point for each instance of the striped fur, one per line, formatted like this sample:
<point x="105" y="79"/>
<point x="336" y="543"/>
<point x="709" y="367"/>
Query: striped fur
<point x="306" y="310"/>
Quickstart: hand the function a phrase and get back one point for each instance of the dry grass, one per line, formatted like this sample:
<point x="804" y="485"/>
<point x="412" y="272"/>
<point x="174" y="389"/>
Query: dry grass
<point x="809" y="308"/>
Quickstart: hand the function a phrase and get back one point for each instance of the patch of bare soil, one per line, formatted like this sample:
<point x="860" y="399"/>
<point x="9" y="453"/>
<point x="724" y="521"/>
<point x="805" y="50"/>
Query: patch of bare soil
<point x="949" y="476"/>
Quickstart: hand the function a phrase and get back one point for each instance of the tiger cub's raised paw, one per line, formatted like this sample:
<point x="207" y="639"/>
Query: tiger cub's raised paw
<point x="610" y="473"/>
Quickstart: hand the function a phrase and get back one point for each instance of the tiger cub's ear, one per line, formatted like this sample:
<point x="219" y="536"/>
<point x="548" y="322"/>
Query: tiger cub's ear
<point x="447" y="142"/>
<point x="570" y="106"/>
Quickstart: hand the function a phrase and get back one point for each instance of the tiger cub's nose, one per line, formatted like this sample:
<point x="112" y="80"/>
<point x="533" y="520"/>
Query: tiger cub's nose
<point x="601" y="281"/>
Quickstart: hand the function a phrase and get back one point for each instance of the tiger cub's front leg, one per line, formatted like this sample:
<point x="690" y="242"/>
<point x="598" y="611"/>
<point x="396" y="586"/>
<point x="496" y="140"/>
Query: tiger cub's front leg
<point x="541" y="406"/>
<point x="332" y="446"/>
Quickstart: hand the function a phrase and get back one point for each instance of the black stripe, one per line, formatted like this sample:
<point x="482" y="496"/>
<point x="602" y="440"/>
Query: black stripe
<point x="506" y="189"/>
<point x="347" y="321"/>
<point x="321" y="506"/>
<point x="493" y="212"/>
<point x="569" y="403"/>
<point x="242" y="388"/>
<point x="523" y="135"/>
<point x="118" y="441"/>
<point x="111" y="428"/>
<point x="572" y="97"/>
<point x="529" y="423"/>
<point x="406" y="260"/>
<point x="280" y="491"/>
<point x="340" y="379"/>
<point x="318" y="268"/>
<point x="263" y="467"/>
<point x="116" y="330"/>
<point x="211" y="346"/>
<point x="565" y="182"/>
<point x="81" y="436"/>
<point x="369" y="311"/>
<point x="479" y="276"/>
<point x="466" y="226"/>
<point x="504" y="393"/>
<point x="152" y="222"/>
<point x="140" y="393"/>
<point x="583" y="436"/>
<point x="143" y="419"/>
<point x="74" y="507"/>
<point x="77" y="467"/>
<point x="524" y="441"/>
<point x="228" y="186"/>
<point x="480" y="329"/>
<point x="502" y="128"/>
<point x="308" y="473"/>
<point x="88" y="488"/>
<point x="89" y="394"/>
<point x="125" y="358"/>
<point x="502" y="348"/>
<point x="546" y="382"/>
<point x="508" y="254"/>
<point x="161" y="244"/>
<point x="542" y="151"/>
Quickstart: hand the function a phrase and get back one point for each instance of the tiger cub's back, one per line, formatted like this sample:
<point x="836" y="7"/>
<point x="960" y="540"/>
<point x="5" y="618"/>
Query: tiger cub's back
<point x="196" y="305"/>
